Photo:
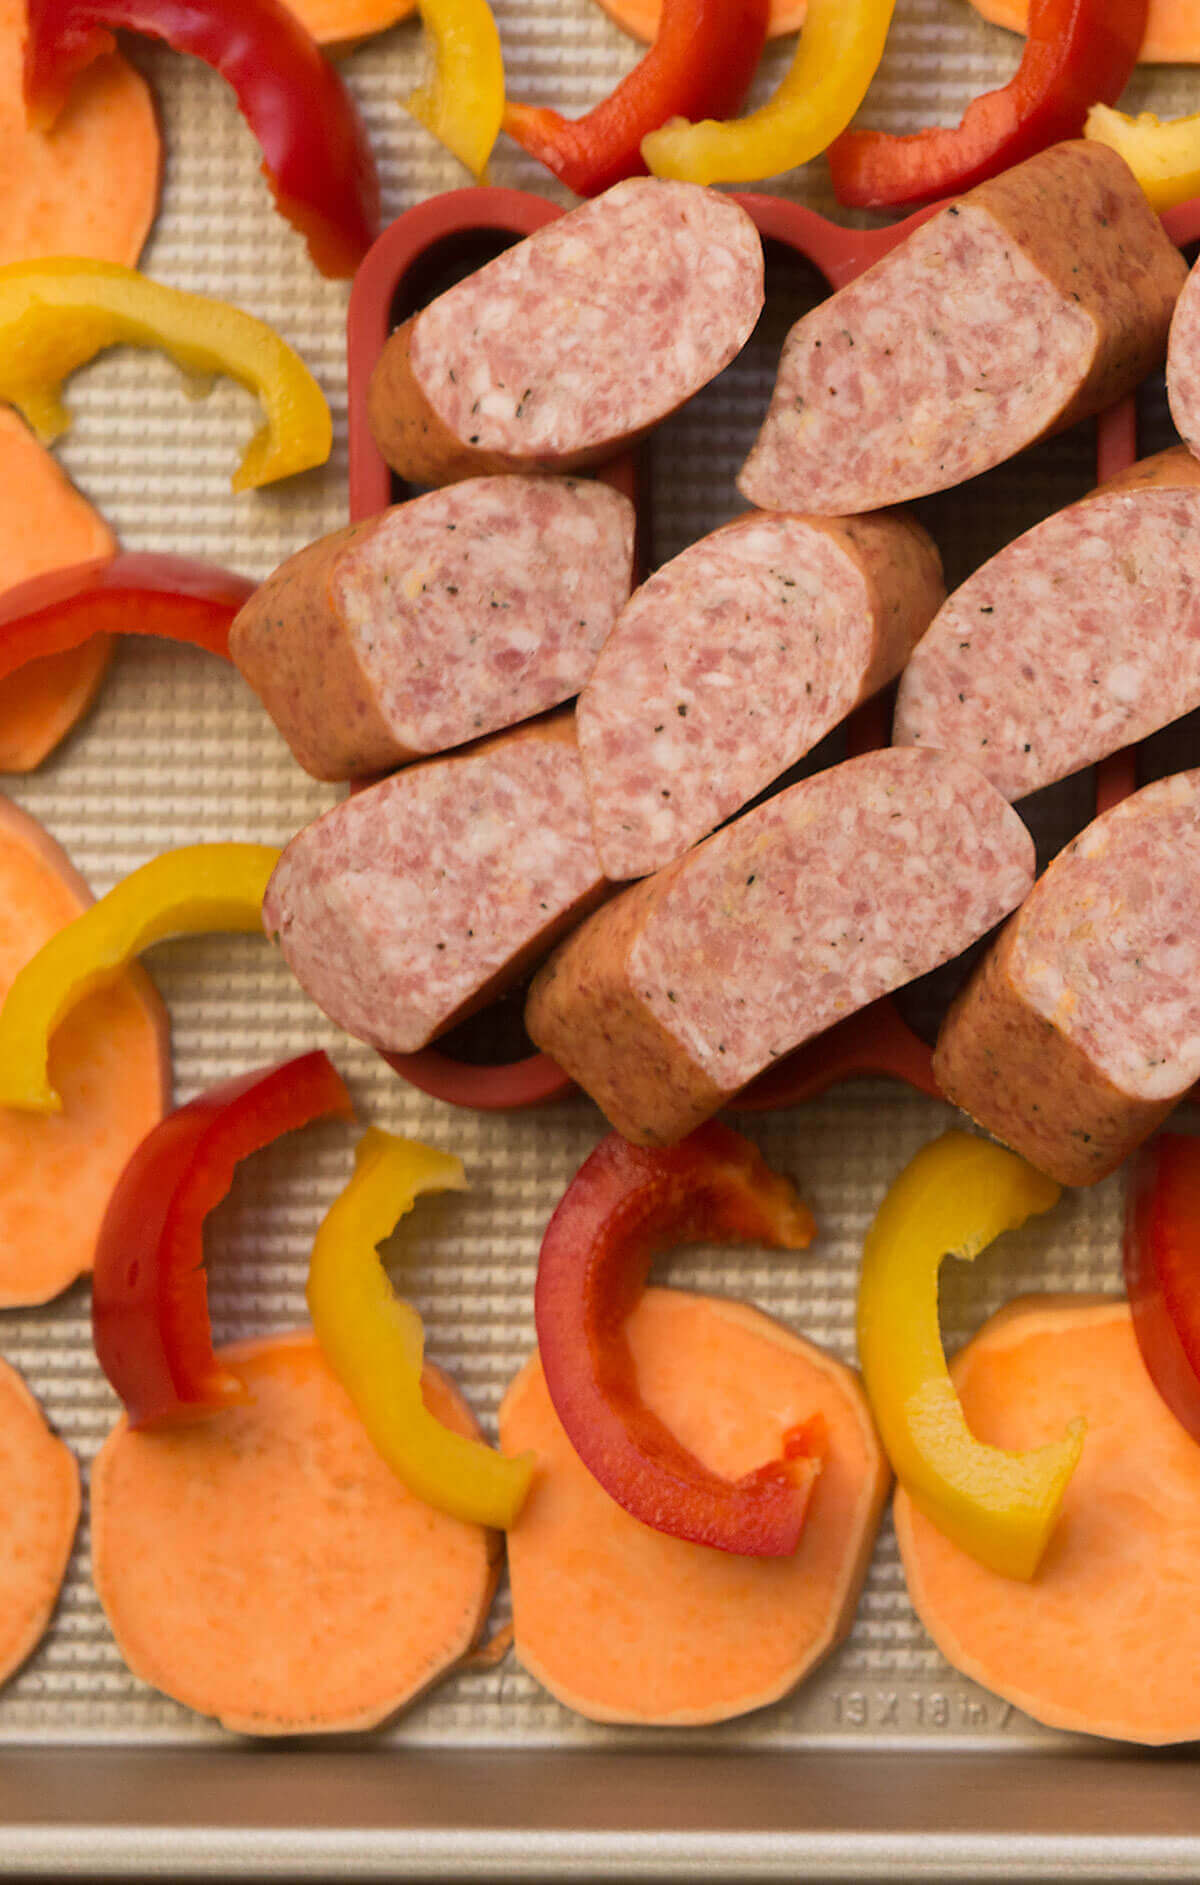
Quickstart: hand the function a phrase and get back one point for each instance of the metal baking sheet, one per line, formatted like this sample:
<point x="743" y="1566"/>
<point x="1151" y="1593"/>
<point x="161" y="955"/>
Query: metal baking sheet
<point x="875" y="1766"/>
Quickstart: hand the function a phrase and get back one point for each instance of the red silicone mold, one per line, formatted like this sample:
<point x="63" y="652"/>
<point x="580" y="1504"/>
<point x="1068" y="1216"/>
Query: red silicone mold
<point x="876" y="1041"/>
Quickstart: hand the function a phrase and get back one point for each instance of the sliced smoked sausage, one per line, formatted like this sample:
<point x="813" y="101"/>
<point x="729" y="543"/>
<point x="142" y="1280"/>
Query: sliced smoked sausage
<point x="412" y="904"/>
<point x="733" y="661"/>
<point x="574" y="342"/>
<point x="1183" y="363"/>
<point x="438" y="621"/>
<point x="1079" y="638"/>
<point x="1080" y="1029"/>
<point x="1036" y="300"/>
<point x="666" y="1002"/>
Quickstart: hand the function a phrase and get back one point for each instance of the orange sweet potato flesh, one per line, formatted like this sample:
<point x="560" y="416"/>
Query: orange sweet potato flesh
<point x="625" y="1624"/>
<point x="44" y="524"/>
<point x="266" y="1567"/>
<point x="109" y="1062"/>
<point x="90" y="185"/>
<point x="39" y="1510"/>
<point x="1105" y="1640"/>
<point x="1172" y="28"/>
<point x="639" y="18"/>
<point x="333" y="22"/>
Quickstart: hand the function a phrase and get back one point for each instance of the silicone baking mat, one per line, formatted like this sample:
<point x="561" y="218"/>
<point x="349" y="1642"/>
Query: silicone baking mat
<point x="177" y="750"/>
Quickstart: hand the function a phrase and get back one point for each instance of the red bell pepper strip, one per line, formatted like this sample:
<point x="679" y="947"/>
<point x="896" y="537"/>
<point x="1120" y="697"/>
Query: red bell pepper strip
<point x="1162" y="1268"/>
<point x="139" y="594"/>
<point x="700" y="66"/>
<point x="624" y="1204"/>
<point x="150" y="1319"/>
<point x="316" y="156"/>
<point x="1078" y="53"/>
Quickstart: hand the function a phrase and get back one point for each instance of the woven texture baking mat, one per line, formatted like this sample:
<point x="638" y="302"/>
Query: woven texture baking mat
<point x="177" y="750"/>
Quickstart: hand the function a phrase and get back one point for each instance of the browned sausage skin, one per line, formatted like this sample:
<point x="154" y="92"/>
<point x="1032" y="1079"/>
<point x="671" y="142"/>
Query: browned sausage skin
<point x="1036" y="300"/>
<point x="1080" y="1030"/>
<point x="437" y="622"/>
<point x="569" y="346"/>
<point x="669" y="1000"/>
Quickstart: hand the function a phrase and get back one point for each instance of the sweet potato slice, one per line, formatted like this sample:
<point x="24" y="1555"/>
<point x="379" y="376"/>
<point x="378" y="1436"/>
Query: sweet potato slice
<point x="626" y="1624"/>
<point x="265" y="1566"/>
<point x="337" y="22"/>
<point x="39" y="1510"/>
<point x="639" y="18"/>
<point x="89" y="186"/>
<point x="1172" y="28"/>
<point x="44" y="524"/>
<point x="1105" y="1639"/>
<point x="109" y="1062"/>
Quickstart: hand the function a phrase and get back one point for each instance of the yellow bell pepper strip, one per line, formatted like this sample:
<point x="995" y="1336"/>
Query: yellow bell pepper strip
<point x="463" y="104"/>
<point x="955" y="1197"/>
<point x="188" y="892"/>
<point x="375" y="1343"/>
<point x="1163" y="154"/>
<point x="838" y="52"/>
<point x="56" y="315"/>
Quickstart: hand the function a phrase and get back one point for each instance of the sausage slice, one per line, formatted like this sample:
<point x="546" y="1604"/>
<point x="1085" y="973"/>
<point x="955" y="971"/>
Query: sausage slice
<point x="1036" y="300"/>
<point x="1079" y="638"/>
<point x="573" y="343"/>
<point x="1080" y="1029"/>
<point x="438" y="621"/>
<point x="733" y="661"/>
<point x="666" y="1002"/>
<point x="1183" y="363"/>
<point x="412" y="904"/>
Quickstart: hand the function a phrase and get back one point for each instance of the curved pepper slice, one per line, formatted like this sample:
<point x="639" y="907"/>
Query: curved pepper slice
<point x="375" y="1343"/>
<point x="56" y="315"/>
<point x="316" y="156"/>
<point x="1162" y="1268"/>
<point x="701" y="62"/>
<point x="955" y="1197"/>
<point x="150" y="1319"/>
<point x="624" y="1204"/>
<point x="463" y="104"/>
<point x="1163" y="153"/>
<point x="188" y="892"/>
<point x="139" y="594"/>
<point x="839" y="49"/>
<point x="1077" y="52"/>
